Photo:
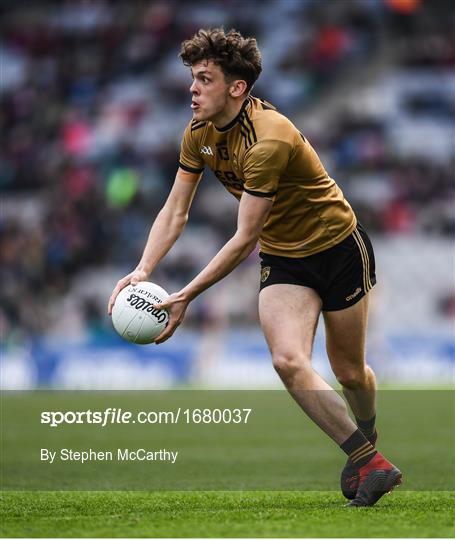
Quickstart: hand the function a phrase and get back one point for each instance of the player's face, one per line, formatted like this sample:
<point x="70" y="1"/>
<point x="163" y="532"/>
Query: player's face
<point x="209" y="91"/>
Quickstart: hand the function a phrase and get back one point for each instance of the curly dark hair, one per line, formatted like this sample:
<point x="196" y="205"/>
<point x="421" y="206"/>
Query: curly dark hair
<point x="238" y="57"/>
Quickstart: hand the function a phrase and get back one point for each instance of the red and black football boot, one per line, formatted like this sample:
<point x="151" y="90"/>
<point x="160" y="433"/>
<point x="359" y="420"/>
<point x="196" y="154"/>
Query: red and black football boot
<point x="376" y="478"/>
<point x="349" y="481"/>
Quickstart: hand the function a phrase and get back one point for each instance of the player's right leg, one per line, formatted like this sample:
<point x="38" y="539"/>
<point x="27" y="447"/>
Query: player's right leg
<point x="289" y="316"/>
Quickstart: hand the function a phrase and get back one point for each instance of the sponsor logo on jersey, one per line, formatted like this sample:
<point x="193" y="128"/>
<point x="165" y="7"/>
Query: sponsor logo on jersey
<point x="207" y="150"/>
<point x="265" y="273"/>
<point x="354" y="294"/>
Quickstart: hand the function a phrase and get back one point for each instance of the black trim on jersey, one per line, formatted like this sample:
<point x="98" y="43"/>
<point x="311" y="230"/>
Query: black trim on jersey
<point x="248" y="120"/>
<point x="233" y="122"/>
<point x="190" y="169"/>
<point x="244" y="130"/>
<point x="260" y="193"/>
<point x="197" y="125"/>
<point x="249" y="133"/>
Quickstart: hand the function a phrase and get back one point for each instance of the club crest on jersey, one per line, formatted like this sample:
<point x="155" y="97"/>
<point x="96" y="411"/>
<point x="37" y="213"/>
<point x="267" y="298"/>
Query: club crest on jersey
<point x="265" y="273"/>
<point x="207" y="151"/>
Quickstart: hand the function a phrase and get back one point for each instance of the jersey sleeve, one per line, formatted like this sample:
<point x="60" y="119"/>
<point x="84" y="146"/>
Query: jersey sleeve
<point x="265" y="163"/>
<point x="190" y="159"/>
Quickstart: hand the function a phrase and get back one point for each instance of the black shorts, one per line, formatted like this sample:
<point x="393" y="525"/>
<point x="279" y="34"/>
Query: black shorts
<point x="341" y="275"/>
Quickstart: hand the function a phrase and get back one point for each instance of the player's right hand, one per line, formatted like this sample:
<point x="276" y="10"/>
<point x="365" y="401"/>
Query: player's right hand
<point x="132" y="278"/>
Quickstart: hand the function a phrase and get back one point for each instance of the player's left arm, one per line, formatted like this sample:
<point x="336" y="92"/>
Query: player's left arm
<point x="253" y="212"/>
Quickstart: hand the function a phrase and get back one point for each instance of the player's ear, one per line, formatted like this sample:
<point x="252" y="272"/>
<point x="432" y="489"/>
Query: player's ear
<point x="237" y="88"/>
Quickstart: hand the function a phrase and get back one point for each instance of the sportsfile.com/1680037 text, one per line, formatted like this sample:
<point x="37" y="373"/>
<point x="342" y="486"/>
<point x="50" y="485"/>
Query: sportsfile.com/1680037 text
<point x="112" y="415"/>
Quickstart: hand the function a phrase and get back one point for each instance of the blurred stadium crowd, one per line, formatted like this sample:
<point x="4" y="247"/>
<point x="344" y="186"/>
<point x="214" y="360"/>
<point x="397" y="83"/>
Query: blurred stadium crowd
<point x="94" y="100"/>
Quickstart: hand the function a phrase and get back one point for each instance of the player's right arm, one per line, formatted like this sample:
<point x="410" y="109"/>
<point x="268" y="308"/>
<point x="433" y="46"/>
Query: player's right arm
<point x="165" y="230"/>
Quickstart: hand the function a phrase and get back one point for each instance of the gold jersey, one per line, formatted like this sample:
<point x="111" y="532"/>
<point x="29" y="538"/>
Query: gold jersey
<point x="263" y="153"/>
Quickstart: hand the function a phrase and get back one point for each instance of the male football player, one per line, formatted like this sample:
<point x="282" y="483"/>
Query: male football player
<point x="314" y="255"/>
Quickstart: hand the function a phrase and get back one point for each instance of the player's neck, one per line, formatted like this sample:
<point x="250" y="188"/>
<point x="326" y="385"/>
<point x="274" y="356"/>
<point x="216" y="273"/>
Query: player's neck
<point x="229" y="114"/>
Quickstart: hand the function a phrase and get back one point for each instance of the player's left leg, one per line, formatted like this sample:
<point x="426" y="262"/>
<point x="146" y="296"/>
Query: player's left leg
<point x="345" y="342"/>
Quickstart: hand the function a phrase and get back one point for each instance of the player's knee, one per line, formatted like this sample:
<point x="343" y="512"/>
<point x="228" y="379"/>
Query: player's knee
<point x="351" y="378"/>
<point x="287" y="364"/>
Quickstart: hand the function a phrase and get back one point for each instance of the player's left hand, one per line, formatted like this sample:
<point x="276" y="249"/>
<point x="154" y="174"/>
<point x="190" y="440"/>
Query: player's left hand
<point x="176" y="307"/>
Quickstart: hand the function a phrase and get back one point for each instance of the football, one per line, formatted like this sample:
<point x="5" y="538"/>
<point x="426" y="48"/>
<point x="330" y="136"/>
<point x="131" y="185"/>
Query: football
<point x="134" y="316"/>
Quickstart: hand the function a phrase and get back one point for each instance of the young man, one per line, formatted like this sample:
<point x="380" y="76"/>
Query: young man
<point x="315" y="257"/>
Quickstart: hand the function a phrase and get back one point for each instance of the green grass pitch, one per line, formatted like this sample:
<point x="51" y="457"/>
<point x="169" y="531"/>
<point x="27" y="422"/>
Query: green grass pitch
<point x="286" y="485"/>
<point x="223" y="514"/>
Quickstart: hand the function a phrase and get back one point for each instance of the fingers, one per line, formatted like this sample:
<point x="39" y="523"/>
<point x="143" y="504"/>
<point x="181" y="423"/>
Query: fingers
<point x="121" y="284"/>
<point x="176" y="314"/>
<point x="167" y="332"/>
<point x="165" y="304"/>
<point x="135" y="279"/>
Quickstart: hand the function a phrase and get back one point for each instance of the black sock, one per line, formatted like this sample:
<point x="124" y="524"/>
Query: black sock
<point x="358" y="448"/>
<point x="367" y="427"/>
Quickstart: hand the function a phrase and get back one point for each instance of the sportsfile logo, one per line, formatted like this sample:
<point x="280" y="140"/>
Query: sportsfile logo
<point x="207" y="151"/>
